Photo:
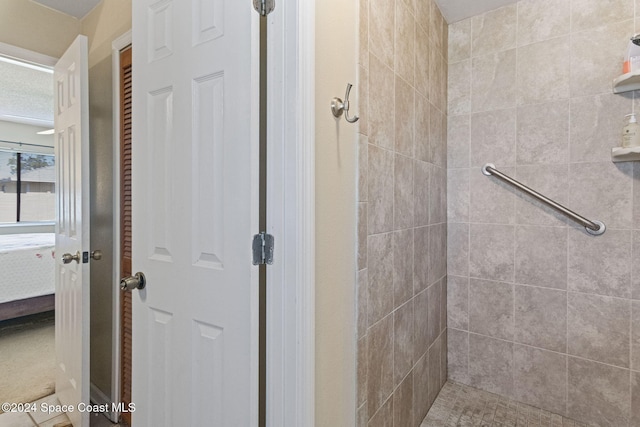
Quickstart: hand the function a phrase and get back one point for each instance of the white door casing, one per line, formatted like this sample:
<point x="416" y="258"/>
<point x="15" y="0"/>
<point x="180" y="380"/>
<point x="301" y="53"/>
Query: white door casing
<point x="195" y="208"/>
<point x="71" y="118"/>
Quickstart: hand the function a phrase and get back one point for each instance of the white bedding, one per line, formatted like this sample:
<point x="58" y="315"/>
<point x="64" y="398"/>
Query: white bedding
<point x="27" y="266"/>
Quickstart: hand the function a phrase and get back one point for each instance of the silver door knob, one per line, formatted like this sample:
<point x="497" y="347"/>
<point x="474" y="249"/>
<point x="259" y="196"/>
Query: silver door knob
<point x="137" y="281"/>
<point x="96" y="255"/>
<point x="67" y="258"/>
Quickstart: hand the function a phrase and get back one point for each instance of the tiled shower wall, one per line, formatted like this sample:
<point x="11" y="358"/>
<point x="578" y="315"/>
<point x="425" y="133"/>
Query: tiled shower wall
<point x="402" y="211"/>
<point x="539" y="310"/>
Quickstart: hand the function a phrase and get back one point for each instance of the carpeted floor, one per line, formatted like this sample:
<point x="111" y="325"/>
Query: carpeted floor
<point x="27" y="358"/>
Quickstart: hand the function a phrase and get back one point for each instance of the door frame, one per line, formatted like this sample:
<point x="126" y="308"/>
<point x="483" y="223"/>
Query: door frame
<point x="290" y="214"/>
<point x="116" y="46"/>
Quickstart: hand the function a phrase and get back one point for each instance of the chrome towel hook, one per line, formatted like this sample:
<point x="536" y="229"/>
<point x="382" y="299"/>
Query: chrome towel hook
<point x="337" y="106"/>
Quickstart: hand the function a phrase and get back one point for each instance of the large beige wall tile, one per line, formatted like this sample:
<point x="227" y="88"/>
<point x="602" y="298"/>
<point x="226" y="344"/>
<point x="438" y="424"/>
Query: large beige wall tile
<point x="541" y="317"/>
<point x="492" y="252"/>
<point x="598" y="328"/>
<point x="458" y="250"/>
<point x="459" y="41"/>
<point x="381" y="165"/>
<point x="594" y="64"/>
<point x="492" y="201"/>
<point x="363" y="290"/>
<point x="540" y="20"/>
<point x="596" y="126"/>
<point x="362" y="235"/>
<point x="544" y="71"/>
<point x="384" y="416"/>
<point x="491" y="364"/>
<point x="421" y="192"/>
<point x="602" y="191"/>
<point x="601" y="264"/>
<point x="403" y="193"/>
<point x="402" y="266"/>
<point x="543" y="133"/>
<point x="459" y="87"/>
<point x="493" y="138"/>
<point x="405" y="40"/>
<point x="458" y="302"/>
<point x="380" y="294"/>
<point x="635" y="269"/>
<point x="597" y="394"/>
<point x="403" y="341"/>
<point x="635" y="398"/>
<point x="437" y="254"/>
<point x="458" y="197"/>
<point x="540" y="378"/>
<point x="421" y="325"/>
<point x="494" y="31"/>
<point x="422" y="131"/>
<point x="403" y="403"/>
<point x="421" y="259"/>
<point x="363" y="33"/>
<point x="405" y="118"/>
<point x="381" y="30"/>
<point x="591" y="13"/>
<point x="381" y="102"/>
<point x="493" y="85"/>
<point x="458" y="140"/>
<point x="491" y="308"/>
<point x="434" y="372"/>
<point x="422" y="62"/>
<point x="635" y="335"/>
<point x="541" y="256"/>
<point x="438" y="137"/>
<point x="458" y="355"/>
<point x="379" y="364"/>
<point x="437" y="195"/>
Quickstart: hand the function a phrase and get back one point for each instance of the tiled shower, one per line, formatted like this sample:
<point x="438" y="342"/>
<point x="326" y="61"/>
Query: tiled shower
<point x="537" y="310"/>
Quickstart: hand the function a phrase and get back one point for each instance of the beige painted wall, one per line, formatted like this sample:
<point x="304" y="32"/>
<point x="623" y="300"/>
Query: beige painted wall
<point x="336" y="56"/>
<point x="31" y="26"/>
<point x="108" y="21"/>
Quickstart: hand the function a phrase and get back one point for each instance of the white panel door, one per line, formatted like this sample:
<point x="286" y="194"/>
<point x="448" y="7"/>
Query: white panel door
<point x="72" y="228"/>
<point x="195" y="208"/>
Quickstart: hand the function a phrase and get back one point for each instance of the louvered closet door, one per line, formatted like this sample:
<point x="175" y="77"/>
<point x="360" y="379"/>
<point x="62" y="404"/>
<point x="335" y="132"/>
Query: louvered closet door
<point x="125" y="226"/>
<point x="125" y="221"/>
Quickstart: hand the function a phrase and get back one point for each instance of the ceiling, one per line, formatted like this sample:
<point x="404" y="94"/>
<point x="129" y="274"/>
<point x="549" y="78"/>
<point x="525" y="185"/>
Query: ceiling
<point x="457" y="10"/>
<point x="26" y="93"/>
<point x="77" y="8"/>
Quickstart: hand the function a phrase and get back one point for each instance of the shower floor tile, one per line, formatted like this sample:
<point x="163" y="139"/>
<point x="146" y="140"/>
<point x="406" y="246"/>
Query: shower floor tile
<point x="459" y="405"/>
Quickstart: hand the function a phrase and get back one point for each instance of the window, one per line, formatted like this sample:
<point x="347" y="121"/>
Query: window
<point x="27" y="187"/>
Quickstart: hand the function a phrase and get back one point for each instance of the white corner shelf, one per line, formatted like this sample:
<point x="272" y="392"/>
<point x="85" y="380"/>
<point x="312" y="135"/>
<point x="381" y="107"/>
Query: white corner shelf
<point x="620" y="154"/>
<point x="627" y="82"/>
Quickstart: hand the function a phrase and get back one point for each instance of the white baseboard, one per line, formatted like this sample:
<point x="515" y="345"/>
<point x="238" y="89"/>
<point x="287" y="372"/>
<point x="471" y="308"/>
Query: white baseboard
<point x="99" y="398"/>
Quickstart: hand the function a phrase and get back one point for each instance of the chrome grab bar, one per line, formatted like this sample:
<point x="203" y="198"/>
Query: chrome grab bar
<point x="592" y="227"/>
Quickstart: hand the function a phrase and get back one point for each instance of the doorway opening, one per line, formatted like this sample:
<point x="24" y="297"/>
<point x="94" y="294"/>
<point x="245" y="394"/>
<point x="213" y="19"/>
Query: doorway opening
<point x="27" y="214"/>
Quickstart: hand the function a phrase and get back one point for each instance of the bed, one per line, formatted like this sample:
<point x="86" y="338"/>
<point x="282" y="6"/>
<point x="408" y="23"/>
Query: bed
<point x="27" y="274"/>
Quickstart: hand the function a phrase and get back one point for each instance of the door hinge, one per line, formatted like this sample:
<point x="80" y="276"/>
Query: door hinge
<point x="262" y="249"/>
<point x="264" y="7"/>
